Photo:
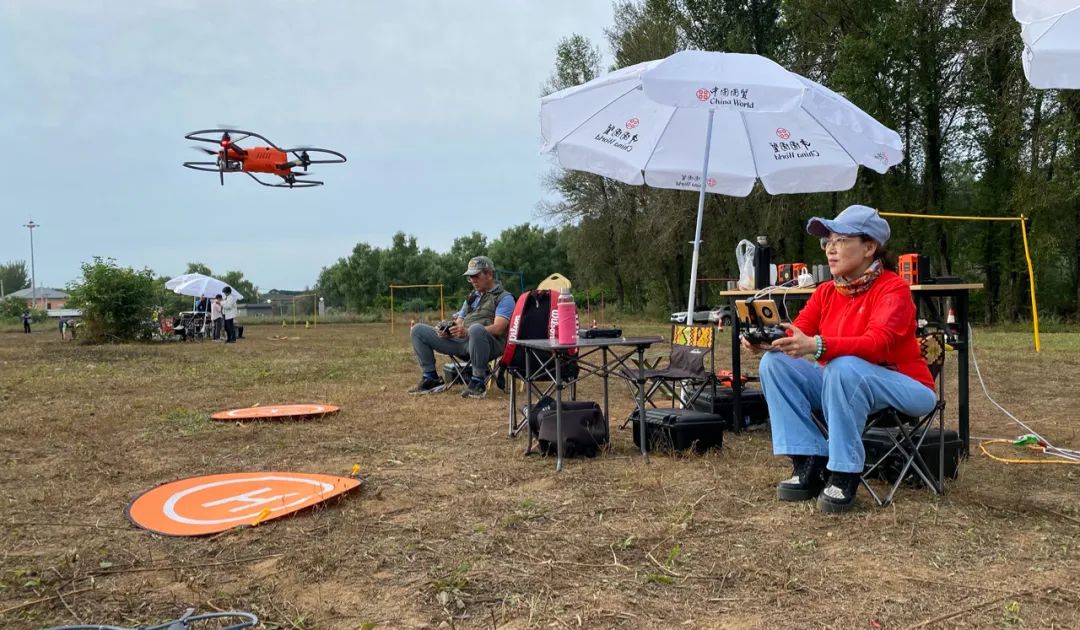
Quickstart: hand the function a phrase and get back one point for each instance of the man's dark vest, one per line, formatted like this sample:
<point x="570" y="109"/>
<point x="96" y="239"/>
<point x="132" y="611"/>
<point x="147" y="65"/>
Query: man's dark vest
<point x="484" y="313"/>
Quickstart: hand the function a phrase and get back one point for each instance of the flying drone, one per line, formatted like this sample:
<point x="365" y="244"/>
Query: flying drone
<point x="270" y="160"/>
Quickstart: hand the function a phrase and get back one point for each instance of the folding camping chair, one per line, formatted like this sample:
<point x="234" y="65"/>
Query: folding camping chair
<point x="458" y="371"/>
<point x="906" y="435"/>
<point x="691" y="367"/>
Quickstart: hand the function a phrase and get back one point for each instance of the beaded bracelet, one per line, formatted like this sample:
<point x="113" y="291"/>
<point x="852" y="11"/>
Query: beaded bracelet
<point x="820" y="343"/>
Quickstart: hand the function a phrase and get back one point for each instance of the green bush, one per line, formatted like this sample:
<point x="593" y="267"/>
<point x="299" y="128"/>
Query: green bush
<point x="11" y="308"/>
<point x="116" y="302"/>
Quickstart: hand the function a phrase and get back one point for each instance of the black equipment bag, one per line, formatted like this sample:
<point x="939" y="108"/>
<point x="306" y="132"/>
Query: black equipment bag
<point x="584" y="428"/>
<point x="680" y="429"/>
<point x="877" y="442"/>
<point x="754" y="409"/>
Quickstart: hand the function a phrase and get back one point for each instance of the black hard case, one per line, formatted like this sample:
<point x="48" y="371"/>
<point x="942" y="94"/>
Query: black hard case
<point x="754" y="409"/>
<point x="877" y="443"/>
<point x="680" y="429"/>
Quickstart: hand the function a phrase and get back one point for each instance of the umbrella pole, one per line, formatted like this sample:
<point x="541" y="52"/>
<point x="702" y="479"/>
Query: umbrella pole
<point x="700" y="214"/>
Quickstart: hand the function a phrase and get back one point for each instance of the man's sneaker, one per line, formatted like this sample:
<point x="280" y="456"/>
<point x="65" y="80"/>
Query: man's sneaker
<point x="474" y="390"/>
<point x="427" y="385"/>
<point x="839" y="494"/>
<point x="807" y="479"/>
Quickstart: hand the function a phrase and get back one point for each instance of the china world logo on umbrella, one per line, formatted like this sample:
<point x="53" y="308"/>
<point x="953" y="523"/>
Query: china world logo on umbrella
<point x="782" y="133"/>
<point x="632" y="123"/>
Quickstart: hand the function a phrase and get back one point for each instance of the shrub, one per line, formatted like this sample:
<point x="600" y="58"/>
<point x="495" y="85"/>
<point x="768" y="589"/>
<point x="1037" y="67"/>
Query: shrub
<point x="12" y="307"/>
<point x="116" y="302"/>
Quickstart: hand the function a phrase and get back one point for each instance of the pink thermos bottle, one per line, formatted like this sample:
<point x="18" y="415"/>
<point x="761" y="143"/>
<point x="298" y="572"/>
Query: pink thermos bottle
<point x="568" y="323"/>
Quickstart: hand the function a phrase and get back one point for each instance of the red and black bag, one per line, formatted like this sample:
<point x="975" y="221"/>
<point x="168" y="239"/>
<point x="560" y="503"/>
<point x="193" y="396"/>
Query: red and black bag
<point x="534" y="318"/>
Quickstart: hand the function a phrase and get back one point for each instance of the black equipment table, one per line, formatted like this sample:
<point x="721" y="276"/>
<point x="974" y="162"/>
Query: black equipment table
<point x="610" y="358"/>
<point x="928" y="296"/>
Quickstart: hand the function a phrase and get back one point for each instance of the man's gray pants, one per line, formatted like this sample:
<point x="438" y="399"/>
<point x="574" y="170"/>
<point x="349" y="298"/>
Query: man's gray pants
<point x="479" y="347"/>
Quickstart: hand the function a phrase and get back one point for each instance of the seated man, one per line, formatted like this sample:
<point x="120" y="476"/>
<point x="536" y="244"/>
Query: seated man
<point x="477" y="331"/>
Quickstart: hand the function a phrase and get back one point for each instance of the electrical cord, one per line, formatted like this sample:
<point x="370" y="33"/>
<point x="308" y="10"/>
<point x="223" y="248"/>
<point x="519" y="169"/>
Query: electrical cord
<point x="768" y="291"/>
<point x="1041" y="443"/>
<point x="185" y="622"/>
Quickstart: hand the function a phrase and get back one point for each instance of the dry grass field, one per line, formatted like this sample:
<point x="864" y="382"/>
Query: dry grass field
<point x="454" y="528"/>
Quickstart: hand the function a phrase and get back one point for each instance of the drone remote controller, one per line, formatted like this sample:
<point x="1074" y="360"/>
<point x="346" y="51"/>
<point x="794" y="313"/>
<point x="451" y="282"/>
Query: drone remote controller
<point x="764" y="335"/>
<point x="760" y="321"/>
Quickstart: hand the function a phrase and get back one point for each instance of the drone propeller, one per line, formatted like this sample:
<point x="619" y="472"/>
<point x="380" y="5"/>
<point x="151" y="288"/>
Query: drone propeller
<point x="204" y="150"/>
<point x="225" y="139"/>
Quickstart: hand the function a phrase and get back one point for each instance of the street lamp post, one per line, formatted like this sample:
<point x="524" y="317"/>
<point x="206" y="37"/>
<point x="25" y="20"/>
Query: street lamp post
<point x="33" y="277"/>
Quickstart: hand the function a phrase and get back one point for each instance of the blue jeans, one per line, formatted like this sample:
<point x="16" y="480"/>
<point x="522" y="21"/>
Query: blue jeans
<point x="479" y="347"/>
<point x="846" y="391"/>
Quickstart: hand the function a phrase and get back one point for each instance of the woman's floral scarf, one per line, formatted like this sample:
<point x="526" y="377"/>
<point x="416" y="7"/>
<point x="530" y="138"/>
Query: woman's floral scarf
<point x="860" y="285"/>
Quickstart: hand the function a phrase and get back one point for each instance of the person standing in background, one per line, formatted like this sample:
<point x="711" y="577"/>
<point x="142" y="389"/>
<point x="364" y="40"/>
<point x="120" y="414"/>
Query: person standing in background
<point x="228" y="312"/>
<point x="216" y="317"/>
<point x="26" y="321"/>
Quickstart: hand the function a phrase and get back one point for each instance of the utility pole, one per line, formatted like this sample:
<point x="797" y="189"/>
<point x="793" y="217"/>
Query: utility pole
<point x="33" y="278"/>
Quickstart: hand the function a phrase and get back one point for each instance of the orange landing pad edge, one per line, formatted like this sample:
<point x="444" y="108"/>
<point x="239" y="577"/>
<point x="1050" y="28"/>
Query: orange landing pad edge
<point x="276" y="412"/>
<point x="198" y="506"/>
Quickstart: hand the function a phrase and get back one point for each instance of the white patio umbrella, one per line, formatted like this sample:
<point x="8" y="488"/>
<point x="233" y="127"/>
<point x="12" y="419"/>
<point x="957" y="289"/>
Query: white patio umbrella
<point x="198" y="285"/>
<point x="1051" y="33"/>
<point x="714" y="122"/>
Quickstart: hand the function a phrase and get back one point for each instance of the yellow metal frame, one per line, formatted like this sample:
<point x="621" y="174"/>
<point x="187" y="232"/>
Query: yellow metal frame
<point x="294" y="299"/>
<point x="1027" y="253"/>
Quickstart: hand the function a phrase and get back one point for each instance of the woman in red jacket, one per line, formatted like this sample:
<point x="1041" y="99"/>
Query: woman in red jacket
<point x="860" y="331"/>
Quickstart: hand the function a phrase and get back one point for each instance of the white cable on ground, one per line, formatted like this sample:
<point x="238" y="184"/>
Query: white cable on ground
<point x="1050" y="448"/>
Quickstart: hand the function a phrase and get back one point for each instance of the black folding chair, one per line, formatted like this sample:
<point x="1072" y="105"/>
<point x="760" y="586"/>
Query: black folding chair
<point x="691" y="367"/>
<point x="458" y="371"/>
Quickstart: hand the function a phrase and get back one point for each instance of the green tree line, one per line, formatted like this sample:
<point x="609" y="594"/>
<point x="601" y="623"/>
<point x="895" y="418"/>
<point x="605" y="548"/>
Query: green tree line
<point x="524" y="254"/>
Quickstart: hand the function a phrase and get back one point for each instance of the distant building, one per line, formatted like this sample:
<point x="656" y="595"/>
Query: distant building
<point x="254" y="309"/>
<point x="52" y="298"/>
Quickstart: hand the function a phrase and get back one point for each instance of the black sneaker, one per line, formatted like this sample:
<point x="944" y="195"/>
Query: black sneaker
<point x="474" y="390"/>
<point x="427" y="385"/>
<point x="839" y="494"/>
<point x="807" y="479"/>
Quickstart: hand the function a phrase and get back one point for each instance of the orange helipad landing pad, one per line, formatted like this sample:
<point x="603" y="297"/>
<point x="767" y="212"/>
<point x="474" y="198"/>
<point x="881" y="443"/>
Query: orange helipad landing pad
<point x="276" y="412"/>
<point x="206" y="505"/>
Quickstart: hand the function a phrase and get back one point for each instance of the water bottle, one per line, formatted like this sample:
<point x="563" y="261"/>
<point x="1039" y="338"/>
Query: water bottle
<point x="568" y="323"/>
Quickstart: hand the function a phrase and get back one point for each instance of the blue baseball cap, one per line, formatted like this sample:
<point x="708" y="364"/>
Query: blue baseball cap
<point x="854" y="220"/>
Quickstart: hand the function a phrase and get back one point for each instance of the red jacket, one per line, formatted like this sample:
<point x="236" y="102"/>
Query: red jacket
<point x="878" y="325"/>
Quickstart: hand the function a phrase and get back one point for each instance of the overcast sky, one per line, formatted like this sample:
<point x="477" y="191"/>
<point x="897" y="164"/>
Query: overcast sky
<point x="435" y="103"/>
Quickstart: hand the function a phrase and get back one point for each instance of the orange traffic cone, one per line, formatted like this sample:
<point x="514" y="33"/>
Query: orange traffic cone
<point x="950" y="321"/>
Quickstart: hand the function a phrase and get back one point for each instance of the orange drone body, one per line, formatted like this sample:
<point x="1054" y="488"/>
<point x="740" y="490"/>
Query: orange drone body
<point x="289" y="164"/>
<point x="260" y="160"/>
